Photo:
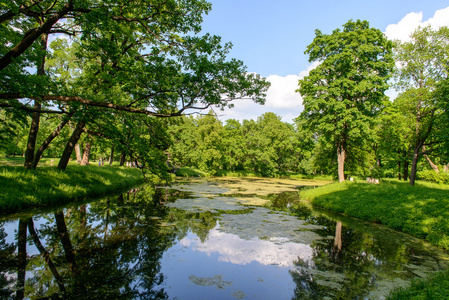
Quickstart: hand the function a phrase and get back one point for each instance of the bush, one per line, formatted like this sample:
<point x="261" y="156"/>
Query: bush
<point x="432" y="176"/>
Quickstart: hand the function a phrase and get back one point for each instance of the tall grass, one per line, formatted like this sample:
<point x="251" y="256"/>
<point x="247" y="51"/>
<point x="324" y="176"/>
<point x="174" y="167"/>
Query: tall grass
<point x="21" y="188"/>
<point x="421" y="210"/>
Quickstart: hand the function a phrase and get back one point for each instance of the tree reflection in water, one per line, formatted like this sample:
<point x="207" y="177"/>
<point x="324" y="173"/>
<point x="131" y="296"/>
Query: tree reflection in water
<point x="113" y="248"/>
<point x="106" y="250"/>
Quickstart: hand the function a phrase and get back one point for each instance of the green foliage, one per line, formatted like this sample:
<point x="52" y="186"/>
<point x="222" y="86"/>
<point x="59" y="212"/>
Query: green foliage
<point x="422" y="211"/>
<point x="432" y="176"/>
<point x="436" y="287"/>
<point x="22" y="188"/>
<point x="268" y="146"/>
<point x="422" y="65"/>
<point x="343" y="94"/>
<point x="125" y="64"/>
<point x="190" y="172"/>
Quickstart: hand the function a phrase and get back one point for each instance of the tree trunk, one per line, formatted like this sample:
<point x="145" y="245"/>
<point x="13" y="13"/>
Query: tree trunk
<point x="432" y="165"/>
<point x="32" y="135"/>
<point x="122" y="158"/>
<point x="78" y="153"/>
<point x="86" y="155"/>
<point x="341" y="155"/>
<point x="63" y="162"/>
<point x="399" y="170"/>
<point x="406" y="164"/>
<point x="49" y="139"/>
<point x="414" y="165"/>
<point x="35" y="117"/>
<point x="111" y="157"/>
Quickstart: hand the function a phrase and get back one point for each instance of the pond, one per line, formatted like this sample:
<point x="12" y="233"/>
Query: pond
<point x="221" y="238"/>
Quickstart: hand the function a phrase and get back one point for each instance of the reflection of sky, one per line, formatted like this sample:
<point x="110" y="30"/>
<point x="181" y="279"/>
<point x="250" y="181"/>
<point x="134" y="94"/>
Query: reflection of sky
<point x="231" y="248"/>
<point x="218" y="269"/>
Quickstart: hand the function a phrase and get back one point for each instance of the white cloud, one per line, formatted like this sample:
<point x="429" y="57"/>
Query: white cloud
<point x="281" y="99"/>
<point x="412" y="21"/>
<point x="282" y="92"/>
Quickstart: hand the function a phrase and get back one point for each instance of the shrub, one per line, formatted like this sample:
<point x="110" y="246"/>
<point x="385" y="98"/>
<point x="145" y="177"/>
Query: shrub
<point x="432" y="176"/>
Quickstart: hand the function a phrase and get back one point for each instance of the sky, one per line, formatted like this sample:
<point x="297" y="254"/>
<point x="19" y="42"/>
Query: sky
<point x="270" y="37"/>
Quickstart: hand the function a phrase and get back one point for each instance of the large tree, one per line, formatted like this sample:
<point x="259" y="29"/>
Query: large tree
<point x="129" y="58"/>
<point x="342" y="95"/>
<point x="422" y="64"/>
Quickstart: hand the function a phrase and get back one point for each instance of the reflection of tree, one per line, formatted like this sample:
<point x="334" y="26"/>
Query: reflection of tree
<point x="7" y="265"/>
<point x="347" y="266"/>
<point x="21" y="258"/>
<point x="46" y="255"/>
<point x="337" y="241"/>
<point x="111" y="249"/>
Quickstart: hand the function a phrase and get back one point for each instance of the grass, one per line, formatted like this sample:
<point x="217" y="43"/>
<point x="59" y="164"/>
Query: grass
<point x="21" y="188"/>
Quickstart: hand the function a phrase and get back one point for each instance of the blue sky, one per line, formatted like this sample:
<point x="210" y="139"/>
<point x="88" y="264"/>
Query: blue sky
<point x="270" y="37"/>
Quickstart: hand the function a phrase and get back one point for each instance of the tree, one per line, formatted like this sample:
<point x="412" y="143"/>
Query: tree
<point x="129" y="58"/>
<point x="343" y="94"/>
<point x="395" y="131"/>
<point x="422" y="63"/>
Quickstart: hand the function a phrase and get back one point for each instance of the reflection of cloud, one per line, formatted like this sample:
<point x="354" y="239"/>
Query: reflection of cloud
<point x="235" y="250"/>
<point x="413" y="20"/>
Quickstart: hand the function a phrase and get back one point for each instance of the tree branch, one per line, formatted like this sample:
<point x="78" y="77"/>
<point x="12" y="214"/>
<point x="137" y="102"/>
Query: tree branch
<point x="33" y="35"/>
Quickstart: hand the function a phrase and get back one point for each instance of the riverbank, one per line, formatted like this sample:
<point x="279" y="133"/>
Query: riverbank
<point x="23" y="189"/>
<point x="421" y="210"/>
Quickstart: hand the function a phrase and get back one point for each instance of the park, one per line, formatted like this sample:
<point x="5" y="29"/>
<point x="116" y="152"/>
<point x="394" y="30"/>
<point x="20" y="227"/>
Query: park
<point x="119" y="180"/>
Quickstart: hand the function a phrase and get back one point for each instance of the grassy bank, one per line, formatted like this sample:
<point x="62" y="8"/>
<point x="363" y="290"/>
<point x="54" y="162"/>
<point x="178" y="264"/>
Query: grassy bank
<point x="421" y="210"/>
<point x="21" y="188"/>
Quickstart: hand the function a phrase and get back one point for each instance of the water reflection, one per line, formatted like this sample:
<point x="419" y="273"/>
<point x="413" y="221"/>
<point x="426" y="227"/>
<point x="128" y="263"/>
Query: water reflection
<point x="192" y="240"/>
<point x="233" y="249"/>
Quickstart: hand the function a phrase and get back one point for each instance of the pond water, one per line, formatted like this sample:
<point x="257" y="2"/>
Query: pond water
<point x="231" y="238"/>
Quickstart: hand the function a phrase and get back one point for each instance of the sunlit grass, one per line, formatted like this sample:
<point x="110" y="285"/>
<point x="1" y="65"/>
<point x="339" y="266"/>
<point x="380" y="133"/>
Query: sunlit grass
<point x="21" y="188"/>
